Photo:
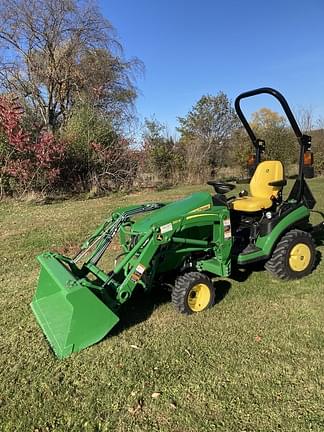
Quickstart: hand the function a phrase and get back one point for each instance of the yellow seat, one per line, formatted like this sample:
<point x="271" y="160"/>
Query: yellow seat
<point x="261" y="193"/>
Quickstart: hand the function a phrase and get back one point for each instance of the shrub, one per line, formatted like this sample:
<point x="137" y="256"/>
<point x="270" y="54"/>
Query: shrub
<point x="97" y="156"/>
<point x="26" y="162"/>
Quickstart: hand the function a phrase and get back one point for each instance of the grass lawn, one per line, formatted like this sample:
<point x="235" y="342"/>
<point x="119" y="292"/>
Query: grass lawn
<point x="254" y="362"/>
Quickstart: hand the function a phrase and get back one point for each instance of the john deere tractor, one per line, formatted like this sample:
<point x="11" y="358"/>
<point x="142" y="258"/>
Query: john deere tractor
<point x="200" y="237"/>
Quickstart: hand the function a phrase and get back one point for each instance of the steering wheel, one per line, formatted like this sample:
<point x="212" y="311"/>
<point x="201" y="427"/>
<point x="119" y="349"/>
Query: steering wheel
<point x="220" y="187"/>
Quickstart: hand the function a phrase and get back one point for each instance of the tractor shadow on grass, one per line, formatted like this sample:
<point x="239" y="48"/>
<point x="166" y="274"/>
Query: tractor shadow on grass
<point x="318" y="258"/>
<point x="222" y="288"/>
<point x="241" y="274"/>
<point x="319" y="241"/>
<point x="319" y="238"/>
<point x="140" y="306"/>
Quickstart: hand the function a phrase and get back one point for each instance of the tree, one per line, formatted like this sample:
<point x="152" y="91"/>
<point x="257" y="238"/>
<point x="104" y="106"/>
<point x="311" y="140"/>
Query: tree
<point x="56" y="52"/>
<point x="206" y="131"/>
<point x="161" y="151"/>
<point x="315" y="128"/>
<point x="279" y="138"/>
<point x="318" y="146"/>
<point x="305" y="117"/>
<point x="97" y="156"/>
<point x="240" y="150"/>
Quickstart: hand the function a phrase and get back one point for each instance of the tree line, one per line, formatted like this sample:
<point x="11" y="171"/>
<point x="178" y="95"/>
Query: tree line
<point x="211" y="139"/>
<point x="67" y="111"/>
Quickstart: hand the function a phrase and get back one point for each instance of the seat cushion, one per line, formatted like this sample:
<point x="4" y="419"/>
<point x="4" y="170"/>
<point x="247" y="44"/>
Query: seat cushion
<point x="251" y="204"/>
<point x="266" y="172"/>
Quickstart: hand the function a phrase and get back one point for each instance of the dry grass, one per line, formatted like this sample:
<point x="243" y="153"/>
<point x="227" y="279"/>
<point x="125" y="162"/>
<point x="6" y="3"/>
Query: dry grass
<point x="254" y="362"/>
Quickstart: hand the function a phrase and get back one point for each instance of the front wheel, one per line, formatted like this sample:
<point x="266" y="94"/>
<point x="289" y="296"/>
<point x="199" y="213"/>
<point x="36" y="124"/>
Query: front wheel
<point x="193" y="292"/>
<point x="293" y="257"/>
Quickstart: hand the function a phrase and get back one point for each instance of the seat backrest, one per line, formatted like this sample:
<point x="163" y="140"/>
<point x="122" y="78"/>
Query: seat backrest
<point x="267" y="171"/>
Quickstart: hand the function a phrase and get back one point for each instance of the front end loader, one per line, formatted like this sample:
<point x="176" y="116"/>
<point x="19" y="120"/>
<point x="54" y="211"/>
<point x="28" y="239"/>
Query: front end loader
<point x="77" y="305"/>
<point x="198" y="238"/>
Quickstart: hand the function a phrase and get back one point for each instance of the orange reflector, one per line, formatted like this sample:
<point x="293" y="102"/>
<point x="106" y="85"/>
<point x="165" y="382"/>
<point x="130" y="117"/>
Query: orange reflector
<point x="308" y="158"/>
<point x="251" y="160"/>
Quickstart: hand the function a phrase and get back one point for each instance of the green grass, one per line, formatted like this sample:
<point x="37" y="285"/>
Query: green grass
<point x="254" y="362"/>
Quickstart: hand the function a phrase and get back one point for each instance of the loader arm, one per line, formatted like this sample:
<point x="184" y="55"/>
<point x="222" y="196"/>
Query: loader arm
<point x="76" y="311"/>
<point x="76" y="302"/>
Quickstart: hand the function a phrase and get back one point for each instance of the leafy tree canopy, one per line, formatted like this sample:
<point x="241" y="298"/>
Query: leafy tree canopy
<point x="56" y="52"/>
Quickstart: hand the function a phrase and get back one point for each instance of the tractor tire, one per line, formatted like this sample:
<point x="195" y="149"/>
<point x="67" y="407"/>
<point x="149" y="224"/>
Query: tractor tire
<point x="193" y="292"/>
<point x="293" y="257"/>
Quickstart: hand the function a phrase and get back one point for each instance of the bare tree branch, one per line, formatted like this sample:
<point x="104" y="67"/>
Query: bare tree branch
<point x="56" y="52"/>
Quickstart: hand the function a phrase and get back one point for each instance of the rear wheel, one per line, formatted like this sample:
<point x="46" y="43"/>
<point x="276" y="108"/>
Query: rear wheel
<point x="193" y="292"/>
<point x="293" y="257"/>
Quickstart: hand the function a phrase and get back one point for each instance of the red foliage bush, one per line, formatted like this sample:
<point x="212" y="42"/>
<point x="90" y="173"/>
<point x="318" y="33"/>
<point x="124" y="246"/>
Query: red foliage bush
<point x="30" y="162"/>
<point x="33" y="159"/>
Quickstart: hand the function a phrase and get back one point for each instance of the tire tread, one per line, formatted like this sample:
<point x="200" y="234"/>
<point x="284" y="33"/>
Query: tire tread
<point x="277" y="265"/>
<point x="181" y="286"/>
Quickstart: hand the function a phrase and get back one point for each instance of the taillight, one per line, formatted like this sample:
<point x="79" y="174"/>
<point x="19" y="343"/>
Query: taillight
<point x="308" y="158"/>
<point x="251" y="160"/>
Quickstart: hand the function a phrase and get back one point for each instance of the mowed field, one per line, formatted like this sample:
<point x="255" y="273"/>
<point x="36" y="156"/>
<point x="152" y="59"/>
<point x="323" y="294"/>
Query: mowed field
<point x="254" y="362"/>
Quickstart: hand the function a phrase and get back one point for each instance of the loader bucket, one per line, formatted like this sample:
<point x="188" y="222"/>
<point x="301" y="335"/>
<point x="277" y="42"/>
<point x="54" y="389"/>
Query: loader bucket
<point x="70" y="314"/>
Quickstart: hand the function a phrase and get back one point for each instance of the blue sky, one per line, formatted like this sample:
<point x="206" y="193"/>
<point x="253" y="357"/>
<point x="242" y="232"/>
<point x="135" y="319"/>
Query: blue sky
<point x="191" y="48"/>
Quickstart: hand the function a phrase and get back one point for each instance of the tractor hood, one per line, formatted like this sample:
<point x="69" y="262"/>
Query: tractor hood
<point x="197" y="202"/>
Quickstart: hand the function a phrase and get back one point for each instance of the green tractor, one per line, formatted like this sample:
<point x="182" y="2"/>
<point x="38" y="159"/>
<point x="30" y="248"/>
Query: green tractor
<point x="202" y="236"/>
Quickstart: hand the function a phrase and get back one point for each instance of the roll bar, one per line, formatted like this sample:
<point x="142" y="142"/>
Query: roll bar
<point x="259" y="144"/>
<point x="279" y="97"/>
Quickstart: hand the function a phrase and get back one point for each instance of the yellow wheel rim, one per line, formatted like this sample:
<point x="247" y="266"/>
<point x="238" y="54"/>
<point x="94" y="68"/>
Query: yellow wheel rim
<point x="300" y="256"/>
<point x="199" y="297"/>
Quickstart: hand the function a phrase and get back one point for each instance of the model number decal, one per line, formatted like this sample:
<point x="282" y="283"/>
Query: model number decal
<point x="227" y="228"/>
<point x="166" y="228"/>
